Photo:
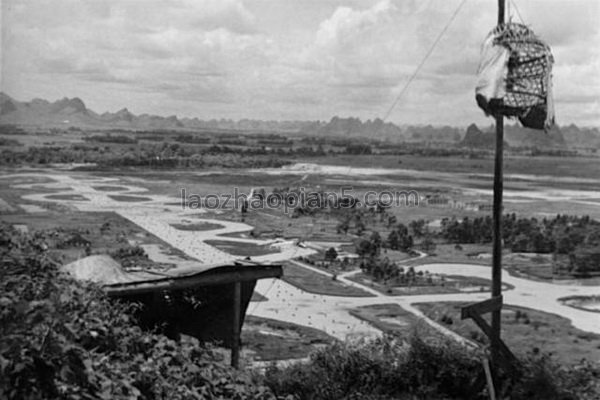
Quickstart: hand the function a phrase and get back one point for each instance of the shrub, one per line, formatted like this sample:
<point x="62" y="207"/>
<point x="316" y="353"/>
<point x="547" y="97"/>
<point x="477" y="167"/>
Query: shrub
<point x="60" y="338"/>
<point x="123" y="253"/>
<point x="390" y="368"/>
<point x="543" y="379"/>
<point x="382" y="369"/>
<point x="478" y="336"/>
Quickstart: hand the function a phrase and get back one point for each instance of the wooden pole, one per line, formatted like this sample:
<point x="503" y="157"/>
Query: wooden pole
<point x="497" y="223"/>
<point x="501" y="12"/>
<point x="235" y="337"/>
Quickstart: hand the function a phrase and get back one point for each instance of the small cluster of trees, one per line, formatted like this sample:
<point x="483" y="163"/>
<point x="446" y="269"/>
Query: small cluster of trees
<point x="131" y="257"/>
<point x="576" y="237"/>
<point x="561" y="234"/>
<point x="158" y="155"/>
<point x="122" y="139"/>
<point x="331" y="254"/>
<point x="382" y="269"/>
<point x="573" y="241"/>
<point x="11" y="130"/>
<point x="10" y="142"/>
<point x="358" y="149"/>
<point x="400" y="239"/>
<point x="370" y="247"/>
<point x="469" y="230"/>
<point x="360" y="217"/>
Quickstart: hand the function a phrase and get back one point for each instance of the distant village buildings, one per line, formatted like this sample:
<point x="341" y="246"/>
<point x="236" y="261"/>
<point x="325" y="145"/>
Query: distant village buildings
<point x="441" y="201"/>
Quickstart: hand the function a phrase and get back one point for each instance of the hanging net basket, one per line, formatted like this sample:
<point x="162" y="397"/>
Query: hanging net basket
<point x="515" y="76"/>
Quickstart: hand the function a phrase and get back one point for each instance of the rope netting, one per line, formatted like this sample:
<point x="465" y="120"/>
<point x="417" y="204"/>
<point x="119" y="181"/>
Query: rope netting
<point x="526" y="88"/>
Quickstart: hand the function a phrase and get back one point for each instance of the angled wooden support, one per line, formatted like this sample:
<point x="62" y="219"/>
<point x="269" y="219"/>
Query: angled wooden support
<point x="483" y="307"/>
<point x="475" y="312"/>
<point x="236" y="325"/>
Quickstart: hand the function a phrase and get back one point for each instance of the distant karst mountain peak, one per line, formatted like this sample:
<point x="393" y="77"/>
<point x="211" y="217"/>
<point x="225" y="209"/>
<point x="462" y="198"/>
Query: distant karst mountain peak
<point x="72" y="112"/>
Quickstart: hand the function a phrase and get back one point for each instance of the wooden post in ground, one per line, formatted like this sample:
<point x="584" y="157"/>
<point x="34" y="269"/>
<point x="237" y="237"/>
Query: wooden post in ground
<point x="497" y="223"/>
<point x="489" y="379"/>
<point x="235" y="326"/>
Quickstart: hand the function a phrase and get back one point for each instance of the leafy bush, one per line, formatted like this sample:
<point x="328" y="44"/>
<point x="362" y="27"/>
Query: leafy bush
<point x="382" y="369"/>
<point x="391" y="369"/>
<point x="123" y="253"/>
<point x="60" y="338"/>
<point x="543" y="379"/>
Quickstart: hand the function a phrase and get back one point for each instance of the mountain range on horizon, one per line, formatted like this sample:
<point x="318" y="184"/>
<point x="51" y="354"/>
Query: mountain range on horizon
<point x="66" y="113"/>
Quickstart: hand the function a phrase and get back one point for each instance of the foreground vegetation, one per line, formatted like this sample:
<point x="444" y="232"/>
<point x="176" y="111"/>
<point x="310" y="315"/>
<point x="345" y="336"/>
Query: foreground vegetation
<point x="524" y="330"/>
<point x="63" y="339"/>
<point x="390" y="368"/>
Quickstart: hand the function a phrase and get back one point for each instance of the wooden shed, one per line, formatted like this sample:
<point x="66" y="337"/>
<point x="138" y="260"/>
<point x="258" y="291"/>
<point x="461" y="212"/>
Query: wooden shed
<point x="206" y="302"/>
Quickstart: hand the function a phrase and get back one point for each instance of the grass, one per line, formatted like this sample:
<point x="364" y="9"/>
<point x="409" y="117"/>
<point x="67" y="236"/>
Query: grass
<point x="314" y="282"/>
<point x="524" y="330"/>
<point x="241" y="235"/>
<point x="241" y="248"/>
<point x="43" y="189"/>
<point x="337" y="267"/>
<point x="529" y="265"/>
<point x="271" y="339"/>
<point x="76" y="197"/>
<point x="200" y="226"/>
<point x="169" y="183"/>
<point x="389" y="318"/>
<point x="569" y="166"/>
<point x="448" y="253"/>
<point x="542" y="267"/>
<point x="17" y="180"/>
<point x="551" y="208"/>
<point x="89" y="224"/>
<point x="131" y="199"/>
<point x="320" y="228"/>
<point x="108" y="188"/>
<point x="258" y="297"/>
<point x="317" y="259"/>
<point x="451" y="284"/>
<point x="532" y="266"/>
<point x="5" y="207"/>
<point x="395" y="255"/>
<point x="585" y="303"/>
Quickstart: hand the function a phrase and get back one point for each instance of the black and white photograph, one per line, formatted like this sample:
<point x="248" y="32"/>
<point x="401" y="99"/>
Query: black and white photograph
<point x="300" y="199"/>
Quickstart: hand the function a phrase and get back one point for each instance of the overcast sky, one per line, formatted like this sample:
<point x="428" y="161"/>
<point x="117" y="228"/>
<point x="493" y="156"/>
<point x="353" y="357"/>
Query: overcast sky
<point x="284" y="59"/>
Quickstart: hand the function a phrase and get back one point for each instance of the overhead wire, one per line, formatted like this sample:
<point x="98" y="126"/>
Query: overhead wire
<point x="424" y="60"/>
<point x="409" y="81"/>
<point x="394" y="104"/>
<point x="406" y="86"/>
<point x="514" y="5"/>
<point x="413" y="75"/>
